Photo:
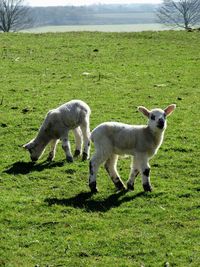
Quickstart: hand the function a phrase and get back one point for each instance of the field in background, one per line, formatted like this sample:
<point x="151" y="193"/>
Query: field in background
<point x="100" y="28"/>
<point x="48" y="217"/>
<point x="94" y="15"/>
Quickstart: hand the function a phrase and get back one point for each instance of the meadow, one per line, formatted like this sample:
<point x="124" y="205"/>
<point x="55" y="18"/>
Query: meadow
<point x="47" y="215"/>
<point x="100" y="28"/>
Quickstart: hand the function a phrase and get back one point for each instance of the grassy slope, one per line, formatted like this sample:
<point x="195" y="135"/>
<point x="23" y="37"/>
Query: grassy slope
<point x="47" y="216"/>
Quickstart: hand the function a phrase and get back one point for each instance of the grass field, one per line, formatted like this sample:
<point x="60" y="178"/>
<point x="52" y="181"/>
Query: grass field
<point x="47" y="215"/>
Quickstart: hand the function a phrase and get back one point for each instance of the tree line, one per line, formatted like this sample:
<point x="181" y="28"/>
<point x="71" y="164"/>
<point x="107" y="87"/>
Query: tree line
<point x="15" y="15"/>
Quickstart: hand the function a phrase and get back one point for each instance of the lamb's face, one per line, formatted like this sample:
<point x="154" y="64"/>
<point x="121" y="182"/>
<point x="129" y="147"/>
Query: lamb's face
<point x="34" y="150"/>
<point x="34" y="154"/>
<point x="157" y="119"/>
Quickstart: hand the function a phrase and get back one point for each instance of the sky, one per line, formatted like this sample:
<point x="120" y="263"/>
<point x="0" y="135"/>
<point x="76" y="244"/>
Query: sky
<point x="85" y="2"/>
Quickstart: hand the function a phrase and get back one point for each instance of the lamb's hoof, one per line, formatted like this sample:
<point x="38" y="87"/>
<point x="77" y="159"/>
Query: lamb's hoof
<point x="147" y="187"/>
<point x="84" y="156"/>
<point x="69" y="159"/>
<point x="120" y="186"/>
<point x="77" y="153"/>
<point x="93" y="187"/>
<point x="130" y="187"/>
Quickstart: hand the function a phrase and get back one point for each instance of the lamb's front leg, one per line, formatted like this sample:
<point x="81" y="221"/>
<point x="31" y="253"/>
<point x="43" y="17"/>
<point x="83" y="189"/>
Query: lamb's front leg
<point x="145" y="169"/>
<point x="133" y="174"/>
<point x="67" y="149"/>
<point x="52" y="152"/>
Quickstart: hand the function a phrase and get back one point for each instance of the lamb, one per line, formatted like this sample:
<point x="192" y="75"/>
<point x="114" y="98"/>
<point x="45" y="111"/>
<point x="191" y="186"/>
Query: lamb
<point x="140" y="141"/>
<point x="73" y="115"/>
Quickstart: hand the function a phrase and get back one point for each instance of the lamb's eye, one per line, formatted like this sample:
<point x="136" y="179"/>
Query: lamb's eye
<point x="153" y="117"/>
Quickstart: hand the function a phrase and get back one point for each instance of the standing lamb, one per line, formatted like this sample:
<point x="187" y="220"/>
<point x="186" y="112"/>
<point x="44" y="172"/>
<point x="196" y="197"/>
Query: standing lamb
<point x="140" y="141"/>
<point x="73" y="115"/>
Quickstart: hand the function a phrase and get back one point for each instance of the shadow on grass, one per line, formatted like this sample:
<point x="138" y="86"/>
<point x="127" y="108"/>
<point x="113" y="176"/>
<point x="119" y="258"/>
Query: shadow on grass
<point x="83" y="201"/>
<point x="21" y="167"/>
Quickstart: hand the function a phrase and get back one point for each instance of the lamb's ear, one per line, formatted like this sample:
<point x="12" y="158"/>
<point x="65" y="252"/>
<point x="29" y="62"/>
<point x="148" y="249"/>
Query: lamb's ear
<point x="168" y="110"/>
<point x="144" y="110"/>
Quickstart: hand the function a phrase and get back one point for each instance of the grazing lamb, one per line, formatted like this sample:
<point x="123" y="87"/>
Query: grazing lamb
<point x="73" y="115"/>
<point x="140" y="141"/>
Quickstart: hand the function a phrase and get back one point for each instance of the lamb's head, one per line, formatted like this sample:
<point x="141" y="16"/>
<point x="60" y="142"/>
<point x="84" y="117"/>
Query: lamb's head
<point x="35" y="150"/>
<point x="157" y="117"/>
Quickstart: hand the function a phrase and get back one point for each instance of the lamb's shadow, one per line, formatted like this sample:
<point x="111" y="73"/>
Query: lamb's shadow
<point x="21" y="167"/>
<point x="84" y="201"/>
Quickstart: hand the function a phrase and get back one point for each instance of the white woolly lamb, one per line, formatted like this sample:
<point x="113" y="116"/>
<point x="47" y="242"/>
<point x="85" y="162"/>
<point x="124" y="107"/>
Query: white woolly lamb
<point x="140" y="141"/>
<point x="73" y="115"/>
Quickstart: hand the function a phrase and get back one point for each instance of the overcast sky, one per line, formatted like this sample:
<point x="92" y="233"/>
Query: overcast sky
<point x="85" y="2"/>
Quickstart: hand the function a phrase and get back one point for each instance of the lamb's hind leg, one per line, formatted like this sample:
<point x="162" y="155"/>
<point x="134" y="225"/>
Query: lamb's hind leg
<point x="85" y="128"/>
<point x="103" y="151"/>
<point x="111" y="168"/>
<point x="78" y="141"/>
<point x="67" y="149"/>
<point x="94" y="164"/>
<point x="97" y="159"/>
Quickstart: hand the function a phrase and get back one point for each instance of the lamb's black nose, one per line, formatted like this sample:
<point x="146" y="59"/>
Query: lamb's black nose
<point x="161" y="124"/>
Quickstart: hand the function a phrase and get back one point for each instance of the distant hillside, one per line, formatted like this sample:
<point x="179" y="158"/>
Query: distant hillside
<point x="94" y="15"/>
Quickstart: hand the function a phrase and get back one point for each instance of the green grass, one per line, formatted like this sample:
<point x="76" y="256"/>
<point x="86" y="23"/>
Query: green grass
<point x="47" y="216"/>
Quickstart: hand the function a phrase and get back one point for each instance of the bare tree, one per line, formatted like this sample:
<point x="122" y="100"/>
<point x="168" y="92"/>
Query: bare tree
<point x="182" y="13"/>
<point x="14" y="15"/>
